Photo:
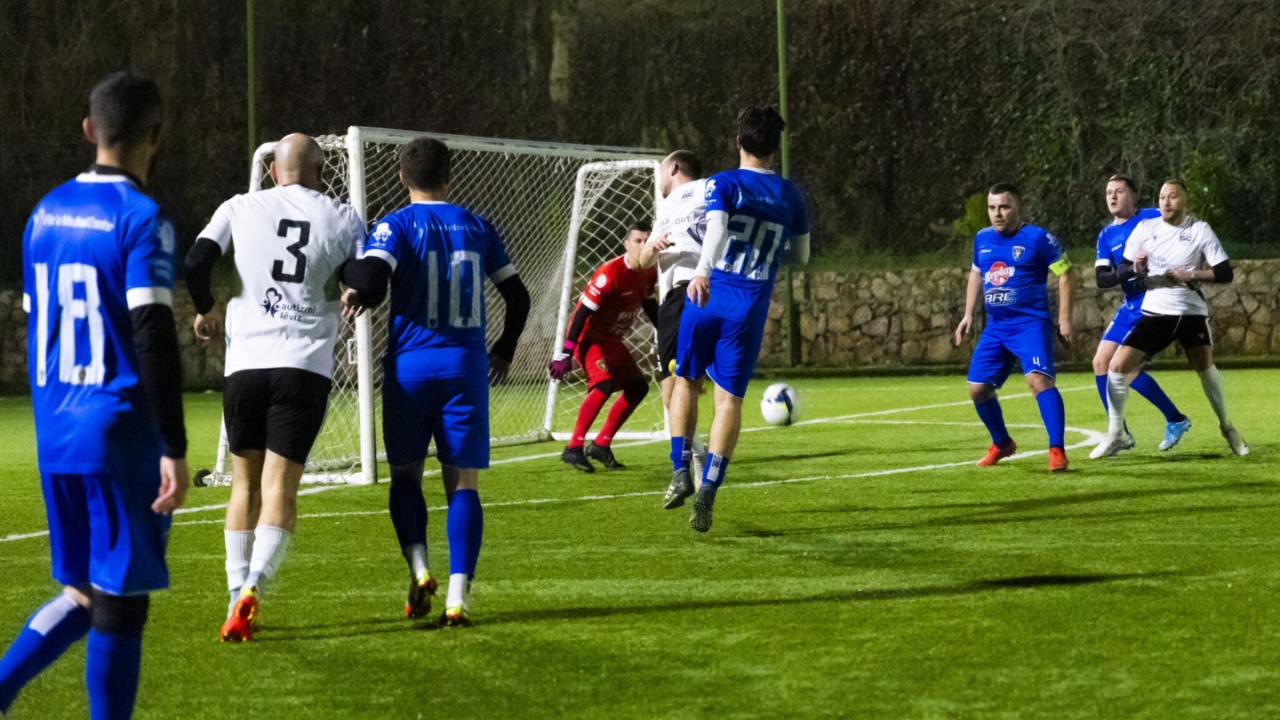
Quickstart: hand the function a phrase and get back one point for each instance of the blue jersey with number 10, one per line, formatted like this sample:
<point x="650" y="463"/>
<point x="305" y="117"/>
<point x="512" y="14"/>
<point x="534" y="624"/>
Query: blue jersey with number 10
<point x="94" y="249"/>
<point x="765" y="212"/>
<point x="439" y="255"/>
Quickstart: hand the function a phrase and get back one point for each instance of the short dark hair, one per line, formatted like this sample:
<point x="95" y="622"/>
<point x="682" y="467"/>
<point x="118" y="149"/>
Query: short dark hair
<point x="1176" y="181"/>
<point x="1133" y="187"/>
<point x="425" y="163"/>
<point x="1001" y="188"/>
<point x="642" y="224"/>
<point x="686" y="163"/>
<point x="125" y="109"/>
<point x="760" y="130"/>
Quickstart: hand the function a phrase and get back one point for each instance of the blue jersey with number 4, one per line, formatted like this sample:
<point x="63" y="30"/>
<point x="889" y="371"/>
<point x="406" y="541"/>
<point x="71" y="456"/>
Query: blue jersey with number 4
<point x="94" y="249"/>
<point x="1014" y="270"/>
<point x="440" y="255"/>
<point x="765" y="212"/>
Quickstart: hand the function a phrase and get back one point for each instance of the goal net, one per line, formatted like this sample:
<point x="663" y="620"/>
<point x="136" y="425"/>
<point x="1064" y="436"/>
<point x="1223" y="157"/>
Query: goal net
<point x="527" y="189"/>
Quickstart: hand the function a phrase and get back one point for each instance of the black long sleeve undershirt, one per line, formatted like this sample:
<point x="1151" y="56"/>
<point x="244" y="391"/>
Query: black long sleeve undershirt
<point x="516" y="297"/>
<point x="578" y="322"/>
<point x="198" y="267"/>
<point x="155" y="339"/>
<point x="368" y="276"/>
<point x="650" y="308"/>
<point x="1223" y="272"/>
<point x="1108" y="277"/>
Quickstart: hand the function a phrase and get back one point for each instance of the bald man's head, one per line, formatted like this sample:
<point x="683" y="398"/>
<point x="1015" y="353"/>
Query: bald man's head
<point x="298" y="161"/>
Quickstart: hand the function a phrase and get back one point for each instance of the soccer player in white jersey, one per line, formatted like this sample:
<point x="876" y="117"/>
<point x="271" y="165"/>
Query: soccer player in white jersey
<point x="281" y="328"/>
<point x="106" y="387"/>
<point x="1172" y="255"/>
<point x="674" y="247"/>
<point x="437" y="371"/>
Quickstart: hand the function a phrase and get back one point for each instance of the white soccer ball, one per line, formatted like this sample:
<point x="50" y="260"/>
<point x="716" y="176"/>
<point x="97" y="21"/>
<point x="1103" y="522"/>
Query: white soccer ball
<point x="780" y="404"/>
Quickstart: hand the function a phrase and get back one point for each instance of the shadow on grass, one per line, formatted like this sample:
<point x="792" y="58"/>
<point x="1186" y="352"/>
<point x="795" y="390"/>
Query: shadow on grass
<point x="976" y="587"/>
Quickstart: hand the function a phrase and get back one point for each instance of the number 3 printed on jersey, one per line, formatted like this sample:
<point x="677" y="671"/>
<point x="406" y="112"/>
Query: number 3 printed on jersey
<point x="300" y="261"/>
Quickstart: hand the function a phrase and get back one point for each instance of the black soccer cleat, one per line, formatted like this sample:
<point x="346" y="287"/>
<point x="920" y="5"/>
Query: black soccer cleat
<point x="603" y="454"/>
<point x="680" y="488"/>
<point x="700" y="520"/>
<point x="576" y="457"/>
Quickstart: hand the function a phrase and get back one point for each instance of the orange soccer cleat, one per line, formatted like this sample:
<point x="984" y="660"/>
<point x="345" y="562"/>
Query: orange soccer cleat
<point x="243" y="621"/>
<point x="1057" y="460"/>
<point x="996" y="453"/>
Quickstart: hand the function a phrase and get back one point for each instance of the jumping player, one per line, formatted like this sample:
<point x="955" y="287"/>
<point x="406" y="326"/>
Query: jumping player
<point x="1011" y="263"/>
<point x="106" y="386"/>
<point x="754" y="219"/>
<point x="674" y="248"/>
<point x="435" y="387"/>
<point x="289" y="243"/>
<point x="1171" y="257"/>
<point x="1122" y="201"/>
<point x="618" y="290"/>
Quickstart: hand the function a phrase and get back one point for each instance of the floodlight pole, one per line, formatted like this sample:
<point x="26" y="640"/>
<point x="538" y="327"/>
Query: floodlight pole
<point x="251" y="85"/>
<point x="793" y="317"/>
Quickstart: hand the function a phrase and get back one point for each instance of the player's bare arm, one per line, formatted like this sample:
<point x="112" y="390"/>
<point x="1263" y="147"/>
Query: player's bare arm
<point x="652" y="247"/>
<point x="970" y="302"/>
<point x="1066" y="288"/>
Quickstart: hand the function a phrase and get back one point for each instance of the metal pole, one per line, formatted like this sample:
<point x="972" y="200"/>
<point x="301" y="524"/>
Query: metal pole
<point x="793" y="317"/>
<point x="251" y="89"/>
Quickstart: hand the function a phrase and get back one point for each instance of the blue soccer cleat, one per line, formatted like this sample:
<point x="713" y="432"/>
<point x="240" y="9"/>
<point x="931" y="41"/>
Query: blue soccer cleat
<point x="1174" y="431"/>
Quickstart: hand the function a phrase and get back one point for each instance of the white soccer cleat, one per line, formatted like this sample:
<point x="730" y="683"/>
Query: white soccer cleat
<point x="1236" y="442"/>
<point x="1109" y="446"/>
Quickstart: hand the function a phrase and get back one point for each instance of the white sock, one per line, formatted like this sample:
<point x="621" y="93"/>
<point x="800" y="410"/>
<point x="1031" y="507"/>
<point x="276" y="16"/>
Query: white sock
<point x="270" y="544"/>
<point x="417" y="557"/>
<point x="1117" y="395"/>
<point x="239" y="545"/>
<point x="1211" y="381"/>
<point x="459" y="591"/>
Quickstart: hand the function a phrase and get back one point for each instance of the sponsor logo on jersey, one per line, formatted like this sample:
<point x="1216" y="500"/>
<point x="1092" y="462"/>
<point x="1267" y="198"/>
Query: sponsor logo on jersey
<point x="1017" y="252"/>
<point x="271" y="301"/>
<point x="711" y="187"/>
<point x="382" y="234"/>
<point x="1184" y="237"/>
<point x="1002" y="297"/>
<point x="999" y="273"/>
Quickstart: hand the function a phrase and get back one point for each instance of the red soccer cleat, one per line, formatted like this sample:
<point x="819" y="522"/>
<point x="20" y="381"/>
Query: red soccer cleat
<point x="244" y="618"/>
<point x="1057" y="460"/>
<point x="996" y="453"/>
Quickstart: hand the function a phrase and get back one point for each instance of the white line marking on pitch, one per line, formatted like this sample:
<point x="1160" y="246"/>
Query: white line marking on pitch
<point x="1093" y="436"/>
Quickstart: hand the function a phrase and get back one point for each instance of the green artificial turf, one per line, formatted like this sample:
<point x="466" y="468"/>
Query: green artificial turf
<point x="858" y="567"/>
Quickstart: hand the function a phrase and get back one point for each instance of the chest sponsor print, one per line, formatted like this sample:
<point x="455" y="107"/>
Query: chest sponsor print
<point x="999" y="274"/>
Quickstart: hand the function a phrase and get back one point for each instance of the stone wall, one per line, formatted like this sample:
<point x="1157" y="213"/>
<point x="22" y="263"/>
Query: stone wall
<point x="847" y="319"/>
<point x="908" y="317"/>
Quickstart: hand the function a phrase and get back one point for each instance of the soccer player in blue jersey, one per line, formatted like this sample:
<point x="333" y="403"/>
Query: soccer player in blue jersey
<point x="754" y="219"/>
<point x="1011" y="263"/>
<point x="436" y="372"/>
<point x="1122" y="202"/>
<point x="106" y="387"/>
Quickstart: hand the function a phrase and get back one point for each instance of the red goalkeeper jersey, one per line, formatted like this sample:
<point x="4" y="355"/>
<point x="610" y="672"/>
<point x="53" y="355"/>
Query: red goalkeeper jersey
<point x="615" y="294"/>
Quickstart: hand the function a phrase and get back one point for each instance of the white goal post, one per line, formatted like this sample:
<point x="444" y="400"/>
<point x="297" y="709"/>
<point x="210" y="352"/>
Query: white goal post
<point x="562" y="210"/>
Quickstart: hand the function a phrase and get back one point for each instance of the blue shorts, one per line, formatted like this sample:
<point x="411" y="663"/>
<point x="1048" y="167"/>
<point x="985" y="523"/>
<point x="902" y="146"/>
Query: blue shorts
<point x="1029" y="344"/>
<point x="725" y="350"/>
<point x="454" y="411"/>
<point x="102" y="530"/>
<point x="1122" y="324"/>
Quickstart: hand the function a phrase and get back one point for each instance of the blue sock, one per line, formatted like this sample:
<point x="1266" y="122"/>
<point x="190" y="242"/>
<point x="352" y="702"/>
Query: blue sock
<point x="993" y="417"/>
<point x="1054" y="414"/>
<point x="1147" y="387"/>
<point x="681" y="453"/>
<point x="408" y="511"/>
<point x="111" y="674"/>
<point x="1101" y="382"/>
<point x="713" y="472"/>
<point x="48" y="633"/>
<point x="465" y="528"/>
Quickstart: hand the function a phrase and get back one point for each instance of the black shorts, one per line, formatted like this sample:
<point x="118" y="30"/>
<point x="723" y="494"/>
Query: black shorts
<point x="669" y="329"/>
<point x="1154" y="333"/>
<point x="278" y="409"/>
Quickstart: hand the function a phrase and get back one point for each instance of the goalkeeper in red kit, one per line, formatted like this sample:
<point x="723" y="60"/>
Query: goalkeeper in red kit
<point x="617" y="292"/>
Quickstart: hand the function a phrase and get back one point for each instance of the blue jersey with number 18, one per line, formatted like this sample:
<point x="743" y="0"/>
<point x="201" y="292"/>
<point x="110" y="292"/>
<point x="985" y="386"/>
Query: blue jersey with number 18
<point x="94" y="249"/>
<point x="439" y="255"/>
<point x="765" y="212"/>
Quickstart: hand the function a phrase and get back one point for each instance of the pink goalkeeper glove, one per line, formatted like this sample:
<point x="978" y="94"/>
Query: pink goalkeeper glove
<point x="562" y="362"/>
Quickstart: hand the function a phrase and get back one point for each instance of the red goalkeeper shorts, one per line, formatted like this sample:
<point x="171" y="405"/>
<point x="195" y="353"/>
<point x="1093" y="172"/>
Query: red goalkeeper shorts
<point x="607" y="360"/>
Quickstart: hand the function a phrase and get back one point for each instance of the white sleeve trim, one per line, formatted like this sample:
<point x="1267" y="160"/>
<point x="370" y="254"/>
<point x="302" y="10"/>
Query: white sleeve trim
<point x="502" y="273"/>
<point x="714" y="242"/>
<point x="382" y="255"/>
<point x="590" y="303"/>
<point x="1102" y="262"/>
<point x="800" y="249"/>
<point x="137" y="297"/>
<point x="976" y="269"/>
<point x="26" y="303"/>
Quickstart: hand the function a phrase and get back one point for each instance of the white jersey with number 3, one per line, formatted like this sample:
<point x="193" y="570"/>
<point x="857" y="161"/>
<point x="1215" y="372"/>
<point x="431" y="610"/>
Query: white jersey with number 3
<point x="682" y="216"/>
<point x="1189" y="245"/>
<point x="289" y="243"/>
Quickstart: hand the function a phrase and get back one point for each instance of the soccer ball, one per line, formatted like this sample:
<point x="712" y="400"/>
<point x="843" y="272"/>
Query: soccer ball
<point x="780" y="404"/>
